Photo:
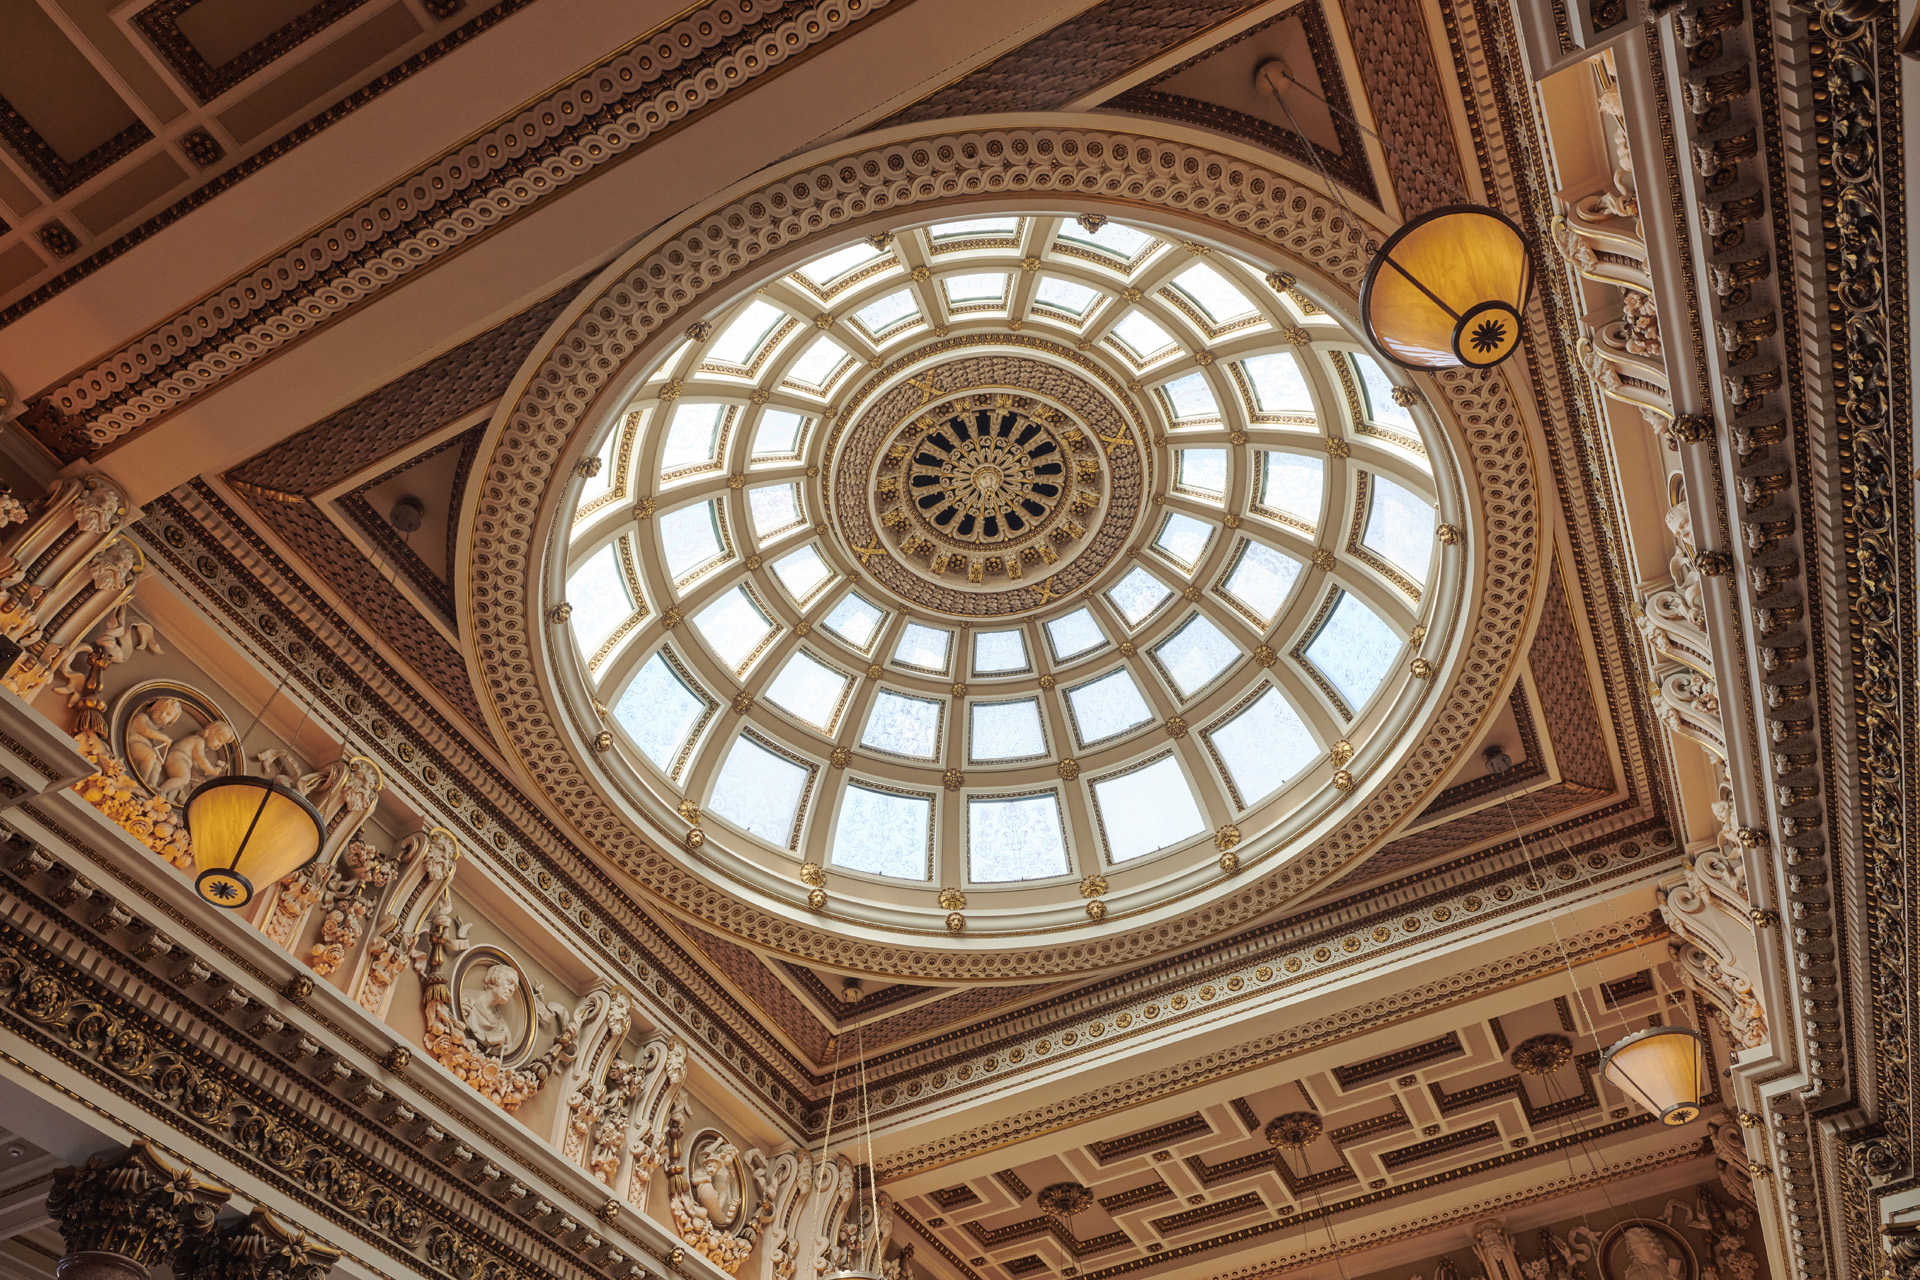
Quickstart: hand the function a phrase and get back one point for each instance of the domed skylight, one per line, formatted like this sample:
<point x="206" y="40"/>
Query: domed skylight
<point x="856" y="584"/>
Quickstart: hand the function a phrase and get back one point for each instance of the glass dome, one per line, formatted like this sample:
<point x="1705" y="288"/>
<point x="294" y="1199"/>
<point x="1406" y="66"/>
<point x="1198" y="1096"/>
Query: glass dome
<point x="1003" y="575"/>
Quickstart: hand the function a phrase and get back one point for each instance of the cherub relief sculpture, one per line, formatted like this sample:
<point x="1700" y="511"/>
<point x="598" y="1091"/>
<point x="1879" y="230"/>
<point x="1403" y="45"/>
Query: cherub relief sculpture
<point x="718" y="1195"/>
<point x="474" y="1039"/>
<point x="192" y="760"/>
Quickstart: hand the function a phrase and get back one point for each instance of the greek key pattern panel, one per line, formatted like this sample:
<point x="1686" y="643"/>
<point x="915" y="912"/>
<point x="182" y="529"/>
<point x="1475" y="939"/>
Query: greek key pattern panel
<point x="597" y="119"/>
<point x="525" y="460"/>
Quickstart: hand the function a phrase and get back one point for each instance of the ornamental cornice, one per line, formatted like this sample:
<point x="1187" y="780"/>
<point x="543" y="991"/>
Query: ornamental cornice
<point x="613" y="109"/>
<point x="637" y="309"/>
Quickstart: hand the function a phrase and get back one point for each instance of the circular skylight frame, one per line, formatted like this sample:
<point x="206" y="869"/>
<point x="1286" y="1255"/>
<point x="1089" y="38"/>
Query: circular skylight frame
<point x="878" y="903"/>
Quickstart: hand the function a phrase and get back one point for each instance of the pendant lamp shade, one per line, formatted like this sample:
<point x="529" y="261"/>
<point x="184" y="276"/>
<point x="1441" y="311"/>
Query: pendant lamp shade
<point x="1447" y="290"/>
<point x="248" y="831"/>
<point x="1664" y="1069"/>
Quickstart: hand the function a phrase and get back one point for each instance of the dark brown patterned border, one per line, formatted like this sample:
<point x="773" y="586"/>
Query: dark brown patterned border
<point x="59" y="174"/>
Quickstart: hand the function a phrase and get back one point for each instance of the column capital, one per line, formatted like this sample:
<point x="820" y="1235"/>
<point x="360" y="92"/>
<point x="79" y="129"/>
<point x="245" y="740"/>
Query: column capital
<point x="126" y="1211"/>
<point x="257" y="1247"/>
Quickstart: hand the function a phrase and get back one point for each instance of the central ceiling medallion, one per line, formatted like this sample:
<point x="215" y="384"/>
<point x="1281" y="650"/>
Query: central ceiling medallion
<point x="989" y="485"/>
<point x="993" y="493"/>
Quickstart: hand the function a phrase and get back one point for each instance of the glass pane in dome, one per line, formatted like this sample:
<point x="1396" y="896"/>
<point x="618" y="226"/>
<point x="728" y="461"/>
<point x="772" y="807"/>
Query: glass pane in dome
<point x="827" y="268"/>
<point x="888" y="311"/>
<point x="690" y="538"/>
<point x="971" y="227"/>
<point x="1074" y="634"/>
<point x="1191" y="397"/>
<point x="802" y="572"/>
<point x="1292" y="483"/>
<point x="1017" y="838"/>
<point x="999" y="651"/>
<point x="1005" y="731"/>
<point x="1065" y="295"/>
<point x="903" y="726"/>
<point x="1278" y="384"/>
<point x="1261" y="579"/>
<point x="692" y="435"/>
<point x="1378" y="393"/>
<point x="1354" y="649"/>
<point x="600" y="483"/>
<point x="733" y="627"/>
<point x="884" y="834"/>
<point x="1122" y="241"/>
<point x="1263" y="746"/>
<point x="1399" y="527"/>
<point x="923" y="647"/>
<point x="778" y="435"/>
<point x="817" y="364"/>
<point x="1107" y="707"/>
<point x="1146" y="810"/>
<point x="1195" y="655"/>
<point x="658" y="711"/>
<point x="1137" y="595"/>
<point x="739" y="341"/>
<point x="1213" y="293"/>
<point x="1141" y="336"/>
<point x="1203" y="469"/>
<point x="1184" y="539"/>
<point x="774" y="507"/>
<point x="760" y="792"/>
<point x="598" y="593"/>
<point x="989" y="286"/>
<point x="855" y="620"/>
<point x="811" y="691"/>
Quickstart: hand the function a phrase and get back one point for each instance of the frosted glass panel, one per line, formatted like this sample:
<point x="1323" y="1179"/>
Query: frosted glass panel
<point x="802" y="572"/>
<point x="997" y="651"/>
<point x="1292" y="483"/>
<point x="1262" y="579"/>
<point x="1122" y="241"/>
<point x="1204" y="469"/>
<point x="970" y="227"/>
<point x="1005" y="731"/>
<point x="778" y="435"/>
<point x="1278" y="384"/>
<point x="692" y="435"/>
<point x="1016" y="839"/>
<point x="1354" y="650"/>
<point x="774" y="507"/>
<point x="733" y="627"/>
<point x="1400" y="527"/>
<point x="1184" y="539"/>
<point x="1137" y="595"/>
<point x="1264" y="746"/>
<point x="924" y="647"/>
<point x="1212" y="292"/>
<point x="978" y="287"/>
<point x="738" y="341"/>
<point x="600" y="483"/>
<point x="658" y="711"/>
<point x="855" y="620"/>
<point x="1073" y="635"/>
<point x="598" y="593"/>
<point x="1107" y="707"/>
<point x="887" y="312"/>
<point x="759" y="792"/>
<point x="903" y="726"/>
<point x="1064" y="295"/>
<point x="690" y="538"/>
<point x="817" y="363"/>
<point x="1141" y="336"/>
<point x="1195" y="654"/>
<point x="1147" y="810"/>
<point x="810" y="690"/>
<point x="883" y="834"/>
<point x="1191" y="397"/>
<point x="824" y="271"/>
